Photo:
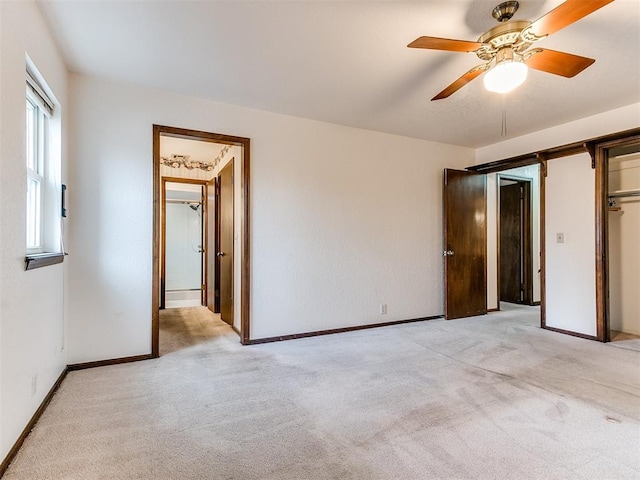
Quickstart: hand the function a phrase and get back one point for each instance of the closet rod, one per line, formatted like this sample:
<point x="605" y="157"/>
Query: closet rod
<point x="627" y="193"/>
<point x="184" y="202"/>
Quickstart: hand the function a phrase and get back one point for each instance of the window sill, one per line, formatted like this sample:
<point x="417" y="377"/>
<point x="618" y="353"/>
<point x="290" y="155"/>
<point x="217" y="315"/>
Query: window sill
<point x="38" y="260"/>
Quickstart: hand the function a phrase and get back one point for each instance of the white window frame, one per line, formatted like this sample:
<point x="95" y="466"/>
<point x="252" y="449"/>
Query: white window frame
<point x="43" y="231"/>
<point x="37" y="149"/>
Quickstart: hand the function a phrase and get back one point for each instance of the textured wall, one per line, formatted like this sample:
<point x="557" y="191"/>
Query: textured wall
<point x="342" y="219"/>
<point x="571" y="266"/>
<point x="32" y="352"/>
<point x="616" y="120"/>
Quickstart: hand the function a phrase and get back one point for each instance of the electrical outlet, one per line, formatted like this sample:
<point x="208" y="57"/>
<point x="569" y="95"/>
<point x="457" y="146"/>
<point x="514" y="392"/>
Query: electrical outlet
<point x="34" y="384"/>
<point x="559" y="237"/>
<point x="383" y="308"/>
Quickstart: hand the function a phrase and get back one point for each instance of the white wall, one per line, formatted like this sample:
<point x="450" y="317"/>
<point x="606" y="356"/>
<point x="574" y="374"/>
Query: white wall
<point x="624" y="254"/>
<point x="31" y="303"/>
<point x="183" y="260"/>
<point x="571" y="266"/>
<point x="342" y="219"/>
<point x="620" y="119"/>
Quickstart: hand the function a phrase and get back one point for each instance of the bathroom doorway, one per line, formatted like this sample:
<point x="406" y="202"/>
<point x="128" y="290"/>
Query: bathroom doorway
<point x="183" y="276"/>
<point x="188" y="169"/>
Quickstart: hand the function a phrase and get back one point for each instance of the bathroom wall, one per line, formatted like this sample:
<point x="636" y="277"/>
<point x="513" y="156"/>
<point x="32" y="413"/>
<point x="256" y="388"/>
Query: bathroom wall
<point x="183" y="260"/>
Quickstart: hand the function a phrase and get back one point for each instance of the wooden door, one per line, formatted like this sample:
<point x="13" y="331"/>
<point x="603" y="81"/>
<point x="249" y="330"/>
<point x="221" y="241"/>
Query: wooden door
<point x="225" y="242"/>
<point x="511" y="251"/>
<point x="213" y="289"/>
<point x="203" y="244"/>
<point x="515" y="259"/>
<point x="465" y="235"/>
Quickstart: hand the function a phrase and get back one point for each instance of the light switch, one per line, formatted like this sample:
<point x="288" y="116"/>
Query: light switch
<point x="559" y="237"/>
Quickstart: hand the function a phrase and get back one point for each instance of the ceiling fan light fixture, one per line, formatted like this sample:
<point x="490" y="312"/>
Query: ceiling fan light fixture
<point x="507" y="74"/>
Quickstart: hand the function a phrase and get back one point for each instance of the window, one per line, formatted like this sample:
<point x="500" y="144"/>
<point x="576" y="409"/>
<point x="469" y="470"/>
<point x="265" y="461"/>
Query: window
<point x="37" y="136"/>
<point x="43" y="202"/>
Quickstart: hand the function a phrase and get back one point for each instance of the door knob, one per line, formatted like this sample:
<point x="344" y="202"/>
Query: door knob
<point x="220" y="254"/>
<point x="447" y="253"/>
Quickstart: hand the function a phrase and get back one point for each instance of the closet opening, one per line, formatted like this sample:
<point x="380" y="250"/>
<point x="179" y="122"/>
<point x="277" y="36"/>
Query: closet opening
<point x="618" y="175"/>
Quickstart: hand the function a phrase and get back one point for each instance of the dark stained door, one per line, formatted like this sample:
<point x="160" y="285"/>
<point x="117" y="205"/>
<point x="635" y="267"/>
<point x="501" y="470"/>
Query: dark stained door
<point x="465" y="254"/>
<point x="511" y="222"/>
<point x="515" y="259"/>
<point x="203" y="245"/>
<point x="225" y="245"/>
<point x="213" y="288"/>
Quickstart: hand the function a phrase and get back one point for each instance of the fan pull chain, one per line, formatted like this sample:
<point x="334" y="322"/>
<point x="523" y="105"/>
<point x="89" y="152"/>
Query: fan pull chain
<point x="503" y="133"/>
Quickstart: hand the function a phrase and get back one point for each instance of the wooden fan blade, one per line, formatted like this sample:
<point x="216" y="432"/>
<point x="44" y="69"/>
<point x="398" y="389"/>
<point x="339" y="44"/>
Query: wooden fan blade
<point x="565" y="14"/>
<point x="558" y="63"/>
<point x="461" y="82"/>
<point x="435" y="43"/>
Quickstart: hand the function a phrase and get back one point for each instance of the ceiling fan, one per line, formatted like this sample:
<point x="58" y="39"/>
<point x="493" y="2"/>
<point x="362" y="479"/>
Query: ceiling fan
<point x="506" y="48"/>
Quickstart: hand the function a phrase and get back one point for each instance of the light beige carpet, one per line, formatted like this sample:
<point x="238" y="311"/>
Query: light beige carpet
<point x="491" y="397"/>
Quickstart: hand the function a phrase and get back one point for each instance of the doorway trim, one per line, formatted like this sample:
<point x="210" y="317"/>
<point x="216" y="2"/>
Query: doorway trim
<point x="245" y="251"/>
<point x="540" y="159"/>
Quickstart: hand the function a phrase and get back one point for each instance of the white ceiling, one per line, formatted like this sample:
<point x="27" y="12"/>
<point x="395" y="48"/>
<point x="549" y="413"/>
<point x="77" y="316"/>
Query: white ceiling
<point x="346" y="62"/>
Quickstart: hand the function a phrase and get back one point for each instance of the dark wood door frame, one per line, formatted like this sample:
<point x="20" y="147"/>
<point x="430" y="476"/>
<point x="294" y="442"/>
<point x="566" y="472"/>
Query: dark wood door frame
<point x="245" y="260"/>
<point x="526" y="236"/>
<point x="163" y="238"/>
<point x="601" y="159"/>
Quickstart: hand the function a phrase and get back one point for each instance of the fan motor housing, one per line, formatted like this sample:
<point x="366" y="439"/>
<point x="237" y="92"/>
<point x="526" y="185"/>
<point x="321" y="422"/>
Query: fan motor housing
<point x="506" y="34"/>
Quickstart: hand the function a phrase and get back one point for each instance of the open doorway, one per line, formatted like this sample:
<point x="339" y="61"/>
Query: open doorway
<point x="183" y="274"/>
<point x="623" y="254"/>
<point x="618" y="280"/>
<point x="200" y="196"/>
<point x="515" y="249"/>
<point x="515" y="258"/>
<point x="472" y="243"/>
